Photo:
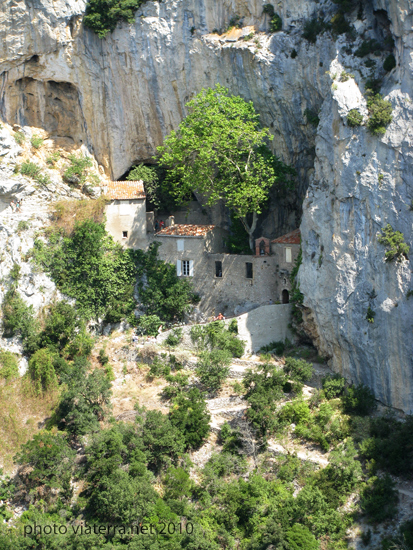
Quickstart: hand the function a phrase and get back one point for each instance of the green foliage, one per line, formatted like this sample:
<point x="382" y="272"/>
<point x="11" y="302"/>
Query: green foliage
<point x="390" y="445"/>
<point x="298" y="369"/>
<point x="150" y="178"/>
<point x="41" y="371"/>
<point x="102" y="16"/>
<point x="23" y="225"/>
<point x="276" y="23"/>
<point x="177" y="384"/>
<point x="30" y="169"/>
<point x="312" y="28"/>
<point x="312" y="117"/>
<point x="379" y="499"/>
<point x="90" y="267"/>
<point x="9" y="368"/>
<point x="230" y="438"/>
<point x="18" y="318"/>
<point x="19" y="137"/>
<point x="339" y="24"/>
<point x="189" y="414"/>
<point x="333" y="385"/>
<point x="164" y="293"/>
<point x="149" y="324"/>
<point x="216" y="336"/>
<point x="220" y="151"/>
<point x="158" y="368"/>
<point x="51" y="461"/>
<point x="277" y="347"/>
<point x="354" y="118"/>
<point x="380" y="114"/>
<point x="212" y="368"/>
<point x="368" y="47"/>
<point x="15" y="272"/>
<point x="76" y="173"/>
<point x="36" y="141"/>
<point x="370" y="315"/>
<point x="86" y="400"/>
<point x="358" y="400"/>
<point x="53" y="158"/>
<point x="389" y="63"/>
<point x="264" y="388"/>
<point x="300" y="537"/>
<point x="296" y="296"/>
<point x="396" y="248"/>
<point x="174" y="338"/>
<point x="237" y="241"/>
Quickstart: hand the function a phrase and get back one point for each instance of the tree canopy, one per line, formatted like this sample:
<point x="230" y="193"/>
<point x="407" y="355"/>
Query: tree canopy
<point x="220" y="151"/>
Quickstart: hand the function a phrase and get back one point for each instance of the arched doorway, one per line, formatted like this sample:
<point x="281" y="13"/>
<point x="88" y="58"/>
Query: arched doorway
<point x="285" y="296"/>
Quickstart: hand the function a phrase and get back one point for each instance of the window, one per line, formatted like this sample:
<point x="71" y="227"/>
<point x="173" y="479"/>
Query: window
<point x="124" y="234"/>
<point x="248" y="266"/>
<point x="180" y="245"/>
<point x="218" y="269"/>
<point x="288" y="256"/>
<point x="185" y="268"/>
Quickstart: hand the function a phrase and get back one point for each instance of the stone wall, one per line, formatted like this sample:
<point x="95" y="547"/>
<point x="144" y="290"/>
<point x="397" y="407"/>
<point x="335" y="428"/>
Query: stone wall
<point x="130" y="216"/>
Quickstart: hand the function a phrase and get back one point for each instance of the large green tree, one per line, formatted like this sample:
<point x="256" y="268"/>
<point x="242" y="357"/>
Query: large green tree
<point x="220" y="151"/>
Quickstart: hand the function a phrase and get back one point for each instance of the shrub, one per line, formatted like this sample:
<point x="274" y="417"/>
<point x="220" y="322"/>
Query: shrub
<point x="298" y="369"/>
<point x="294" y="54"/>
<point x="15" y="272"/>
<point x="370" y="315"/>
<point x="19" y="137"/>
<point x="30" y="169"/>
<point x="312" y="117"/>
<point x="276" y="23"/>
<point x="51" y="462"/>
<point x="18" y="318"/>
<point x="53" y="158"/>
<point x="41" y="371"/>
<point x="174" y="338"/>
<point x="36" y="141"/>
<point x="102" y="357"/>
<point x="380" y="114"/>
<point x="354" y="118"/>
<point x="158" y="369"/>
<point x="333" y="385"/>
<point x="379" y="499"/>
<point x="212" y="368"/>
<point x="389" y="63"/>
<point x="339" y="24"/>
<point x="312" y="28"/>
<point x="76" y="172"/>
<point x="149" y="324"/>
<point x="59" y="327"/>
<point x="189" y="414"/>
<point x="23" y="225"/>
<point x="300" y="537"/>
<point x="8" y="365"/>
<point x="358" y="400"/>
<point x="102" y="16"/>
<point x="150" y="178"/>
<point x="396" y="248"/>
<point x="367" y="47"/>
<point x="216" y="336"/>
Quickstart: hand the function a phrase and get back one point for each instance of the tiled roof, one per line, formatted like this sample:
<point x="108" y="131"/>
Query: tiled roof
<point x="118" y="190"/>
<point x="289" y="238"/>
<point x="185" y="230"/>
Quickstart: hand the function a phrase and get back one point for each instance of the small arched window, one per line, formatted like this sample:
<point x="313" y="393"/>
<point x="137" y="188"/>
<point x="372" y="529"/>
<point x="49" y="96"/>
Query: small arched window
<point x="285" y="296"/>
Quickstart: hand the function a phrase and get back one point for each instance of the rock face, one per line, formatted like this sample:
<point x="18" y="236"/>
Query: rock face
<point x="120" y="96"/>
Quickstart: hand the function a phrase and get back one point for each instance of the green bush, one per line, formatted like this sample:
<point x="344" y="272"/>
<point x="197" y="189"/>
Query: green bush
<point x="339" y="24"/>
<point x="212" y="368"/>
<point x="276" y="23"/>
<point x="53" y="158"/>
<point x="9" y="368"/>
<point x="300" y="537"/>
<point x="189" y="414"/>
<point x="19" y="137"/>
<point x="41" y="371"/>
<point x="298" y="369"/>
<point x="312" y="28"/>
<point x="380" y="114"/>
<point x="174" y="338"/>
<point x="389" y="63"/>
<point x="367" y="47"/>
<point x="216" y="336"/>
<point x="51" y="461"/>
<point x="15" y="272"/>
<point x="312" y="117"/>
<point x="30" y="169"/>
<point x="77" y="171"/>
<point x="396" y="248"/>
<point x="18" y="318"/>
<point x="333" y="385"/>
<point x="354" y="118"/>
<point x="358" y="400"/>
<point x="36" y="141"/>
<point x="379" y="499"/>
<point x="370" y="315"/>
<point x="102" y="16"/>
<point x="149" y="324"/>
<point x="158" y="368"/>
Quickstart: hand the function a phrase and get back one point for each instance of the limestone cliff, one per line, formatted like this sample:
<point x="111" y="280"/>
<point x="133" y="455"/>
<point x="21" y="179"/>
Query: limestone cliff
<point x="119" y="96"/>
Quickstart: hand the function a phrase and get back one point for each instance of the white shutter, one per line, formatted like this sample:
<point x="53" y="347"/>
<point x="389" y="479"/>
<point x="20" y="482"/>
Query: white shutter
<point x="179" y="268"/>
<point x="180" y="245"/>
<point x="288" y="257"/>
<point x="191" y="268"/>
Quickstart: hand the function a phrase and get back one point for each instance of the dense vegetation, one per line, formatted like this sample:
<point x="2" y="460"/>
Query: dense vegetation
<point x="102" y="16"/>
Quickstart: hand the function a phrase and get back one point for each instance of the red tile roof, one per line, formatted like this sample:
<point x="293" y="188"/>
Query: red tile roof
<point x="118" y="190"/>
<point x="290" y="238"/>
<point x="185" y="230"/>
